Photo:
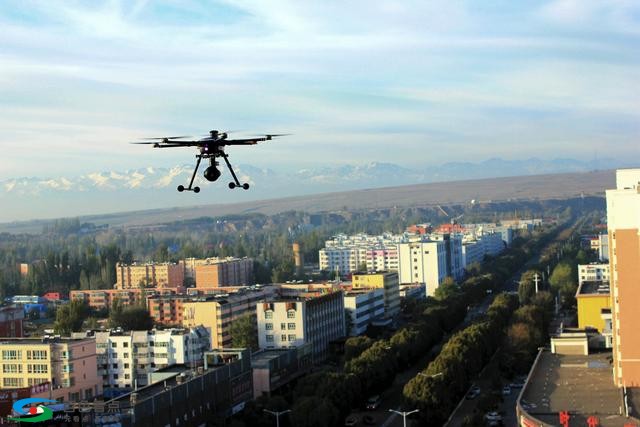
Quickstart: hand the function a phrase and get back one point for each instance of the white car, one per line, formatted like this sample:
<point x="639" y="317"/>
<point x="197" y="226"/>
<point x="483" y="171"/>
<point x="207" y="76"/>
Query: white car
<point x="506" y="390"/>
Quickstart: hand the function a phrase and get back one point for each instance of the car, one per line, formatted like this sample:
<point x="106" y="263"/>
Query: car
<point x="373" y="402"/>
<point x="369" y="420"/>
<point x="493" y="418"/>
<point x="351" y="421"/>
<point x="473" y="393"/>
<point x="517" y="384"/>
<point x="506" y="390"/>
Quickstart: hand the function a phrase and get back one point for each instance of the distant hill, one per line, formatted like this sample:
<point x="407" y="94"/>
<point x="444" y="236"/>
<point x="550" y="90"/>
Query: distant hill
<point x="154" y="188"/>
<point x="519" y="188"/>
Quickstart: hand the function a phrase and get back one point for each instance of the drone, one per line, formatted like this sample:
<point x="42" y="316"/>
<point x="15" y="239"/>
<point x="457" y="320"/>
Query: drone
<point x="211" y="147"/>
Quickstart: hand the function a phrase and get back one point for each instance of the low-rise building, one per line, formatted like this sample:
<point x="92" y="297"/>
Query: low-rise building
<point x="184" y="397"/>
<point x="364" y="307"/>
<point x="275" y="368"/>
<point x="103" y="299"/>
<point x="308" y="321"/>
<point x="11" y="320"/>
<point x="219" y="272"/>
<point x="386" y="280"/>
<point x="593" y="273"/>
<point x="125" y="358"/>
<point x="217" y="312"/>
<point x="594" y="310"/>
<point x="66" y="365"/>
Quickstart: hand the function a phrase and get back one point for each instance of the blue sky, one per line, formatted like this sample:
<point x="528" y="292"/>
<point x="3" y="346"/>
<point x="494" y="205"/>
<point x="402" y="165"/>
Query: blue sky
<point x="412" y="82"/>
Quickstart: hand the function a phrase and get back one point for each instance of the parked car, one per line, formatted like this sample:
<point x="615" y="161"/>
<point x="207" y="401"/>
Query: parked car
<point x="351" y="421"/>
<point x="373" y="402"/>
<point x="506" y="390"/>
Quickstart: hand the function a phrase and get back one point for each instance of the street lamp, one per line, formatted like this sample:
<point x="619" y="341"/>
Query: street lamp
<point x="404" y="415"/>
<point x="277" y="415"/>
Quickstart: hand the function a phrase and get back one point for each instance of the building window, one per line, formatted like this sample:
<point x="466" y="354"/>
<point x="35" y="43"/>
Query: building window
<point x="11" y="354"/>
<point x="268" y="326"/>
<point x="283" y="325"/>
<point x="127" y="376"/>
<point x="115" y="376"/>
<point x="115" y="366"/>
<point x="12" y="369"/>
<point x="114" y="344"/>
<point x="291" y="314"/>
<point x="283" y="337"/>
<point x="12" y="382"/>
<point x="126" y="366"/>
<point x="269" y="338"/>
<point x="125" y="344"/>
<point x="292" y="337"/>
<point x="268" y="314"/>
<point x="125" y="355"/>
<point x="291" y="326"/>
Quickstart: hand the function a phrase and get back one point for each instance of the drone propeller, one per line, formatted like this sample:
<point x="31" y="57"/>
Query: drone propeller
<point x="271" y="135"/>
<point x="168" y="137"/>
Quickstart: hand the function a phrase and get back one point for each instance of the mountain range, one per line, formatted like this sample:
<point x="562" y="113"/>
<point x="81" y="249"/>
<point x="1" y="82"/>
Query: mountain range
<point x="150" y="187"/>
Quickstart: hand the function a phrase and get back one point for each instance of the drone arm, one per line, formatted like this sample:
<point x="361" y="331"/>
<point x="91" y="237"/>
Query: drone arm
<point x="195" y="171"/>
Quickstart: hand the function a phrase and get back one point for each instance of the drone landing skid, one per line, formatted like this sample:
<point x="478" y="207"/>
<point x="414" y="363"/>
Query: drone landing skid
<point x="232" y="185"/>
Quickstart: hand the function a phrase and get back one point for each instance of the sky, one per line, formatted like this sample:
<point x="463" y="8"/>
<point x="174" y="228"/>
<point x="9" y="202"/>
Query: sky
<point x="415" y="82"/>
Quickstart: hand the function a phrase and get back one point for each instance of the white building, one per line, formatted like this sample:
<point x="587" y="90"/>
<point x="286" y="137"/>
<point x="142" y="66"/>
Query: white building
<point x="603" y="247"/>
<point x="593" y="273"/>
<point x="125" y="358"/>
<point x="382" y="259"/>
<point x="423" y="263"/>
<point x="342" y="259"/>
<point x="364" y="306"/>
<point x="310" y="320"/>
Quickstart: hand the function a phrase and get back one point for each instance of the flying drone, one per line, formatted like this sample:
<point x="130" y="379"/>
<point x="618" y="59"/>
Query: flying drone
<point x="211" y="147"/>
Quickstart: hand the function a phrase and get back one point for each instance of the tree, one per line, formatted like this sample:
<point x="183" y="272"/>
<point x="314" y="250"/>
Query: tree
<point x="314" y="412"/>
<point x="447" y="288"/>
<point x="69" y="317"/>
<point x="133" y="318"/>
<point x="354" y="346"/>
<point x="243" y="332"/>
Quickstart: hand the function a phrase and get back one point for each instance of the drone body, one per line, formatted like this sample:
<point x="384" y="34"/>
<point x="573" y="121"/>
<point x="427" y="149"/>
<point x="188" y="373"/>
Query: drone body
<point x="211" y="147"/>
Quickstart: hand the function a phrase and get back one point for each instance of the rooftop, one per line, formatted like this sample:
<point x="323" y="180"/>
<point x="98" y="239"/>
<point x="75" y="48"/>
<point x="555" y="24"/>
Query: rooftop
<point x="582" y="385"/>
<point x="261" y="358"/>
<point x="597" y="287"/>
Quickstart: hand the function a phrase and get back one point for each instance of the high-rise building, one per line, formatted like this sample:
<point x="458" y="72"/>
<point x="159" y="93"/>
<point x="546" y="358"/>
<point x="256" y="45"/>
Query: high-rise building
<point x="149" y="275"/>
<point x="623" y="222"/>
<point x="423" y="263"/>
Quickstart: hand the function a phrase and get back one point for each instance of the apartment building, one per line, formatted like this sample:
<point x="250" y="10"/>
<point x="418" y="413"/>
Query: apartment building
<point x="309" y="322"/>
<point x="423" y="263"/>
<point x="101" y="299"/>
<point x="125" y="358"/>
<point x="149" y="275"/>
<point x="593" y="273"/>
<point x="66" y="366"/>
<point x="217" y="312"/>
<point x="385" y="280"/>
<point x="219" y="272"/>
<point x="364" y="307"/>
<point x="623" y="222"/>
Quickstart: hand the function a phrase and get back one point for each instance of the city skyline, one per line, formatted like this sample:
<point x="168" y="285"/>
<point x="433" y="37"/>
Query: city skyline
<point x="354" y="83"/>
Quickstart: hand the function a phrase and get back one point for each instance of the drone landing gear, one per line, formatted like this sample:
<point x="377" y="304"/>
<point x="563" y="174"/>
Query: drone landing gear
<point x="236" y="183"/>
<point x="195" y="189"/>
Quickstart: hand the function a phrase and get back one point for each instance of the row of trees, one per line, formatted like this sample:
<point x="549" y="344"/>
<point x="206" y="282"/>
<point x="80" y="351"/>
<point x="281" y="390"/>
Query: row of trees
<point x="436" y="390"/>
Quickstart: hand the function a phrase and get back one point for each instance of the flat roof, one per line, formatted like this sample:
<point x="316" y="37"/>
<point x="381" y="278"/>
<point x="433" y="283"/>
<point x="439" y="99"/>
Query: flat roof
<point x="597" y="287"/>
<point x="262" y="358"/>
<point x="582" y="385"/>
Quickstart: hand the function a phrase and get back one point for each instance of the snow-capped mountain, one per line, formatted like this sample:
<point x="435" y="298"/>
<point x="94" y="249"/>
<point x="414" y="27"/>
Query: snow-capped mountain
<point x="151" y="187"/>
